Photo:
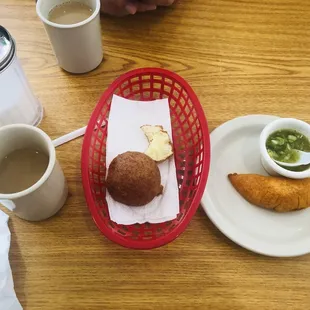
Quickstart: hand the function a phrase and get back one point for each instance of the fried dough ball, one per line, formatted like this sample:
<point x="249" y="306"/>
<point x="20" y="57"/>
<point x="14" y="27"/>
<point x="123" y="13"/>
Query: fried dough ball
<point x="134" y="179"/>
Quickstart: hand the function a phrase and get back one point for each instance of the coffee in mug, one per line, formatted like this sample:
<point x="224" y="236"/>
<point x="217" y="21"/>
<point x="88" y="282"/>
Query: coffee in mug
<point x="21" y="169"/>
<point x="32" y="183"/>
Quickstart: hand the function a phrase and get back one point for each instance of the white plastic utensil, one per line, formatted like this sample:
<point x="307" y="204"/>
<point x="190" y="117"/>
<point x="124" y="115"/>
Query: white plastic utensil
<point x="304" y="159"/>
<point x="72" y="135"/>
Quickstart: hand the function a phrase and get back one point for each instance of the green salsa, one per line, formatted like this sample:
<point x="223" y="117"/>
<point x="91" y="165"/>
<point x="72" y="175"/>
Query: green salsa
<point x="282" y="145"/>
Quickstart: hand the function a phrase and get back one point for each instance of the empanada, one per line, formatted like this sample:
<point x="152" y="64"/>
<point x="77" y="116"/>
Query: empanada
<point x="275" y="193"/>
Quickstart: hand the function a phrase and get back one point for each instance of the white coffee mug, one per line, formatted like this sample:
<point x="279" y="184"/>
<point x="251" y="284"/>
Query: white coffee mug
<point x="78" y="47"/>
<point x="44" y="198"/>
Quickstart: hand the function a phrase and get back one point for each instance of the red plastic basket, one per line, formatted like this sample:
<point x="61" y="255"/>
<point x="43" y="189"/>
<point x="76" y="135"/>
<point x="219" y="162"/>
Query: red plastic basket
<point x="191" y="150"/>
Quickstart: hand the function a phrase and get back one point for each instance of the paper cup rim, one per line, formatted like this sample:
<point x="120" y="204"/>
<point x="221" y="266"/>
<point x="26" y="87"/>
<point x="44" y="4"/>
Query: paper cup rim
<point x="48" y="171"/>
<point x="71" y="26"/>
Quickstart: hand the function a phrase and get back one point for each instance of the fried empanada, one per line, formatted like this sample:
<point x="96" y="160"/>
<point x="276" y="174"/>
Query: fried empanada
<point x="275" y="193"/>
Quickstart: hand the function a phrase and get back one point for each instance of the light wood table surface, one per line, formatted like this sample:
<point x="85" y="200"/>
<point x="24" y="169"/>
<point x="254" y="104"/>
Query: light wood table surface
<point x="241" y="57"/>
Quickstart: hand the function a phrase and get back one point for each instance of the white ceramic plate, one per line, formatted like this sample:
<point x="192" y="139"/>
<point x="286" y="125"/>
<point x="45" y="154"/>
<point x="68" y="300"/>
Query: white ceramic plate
<point x="235" y="148"/>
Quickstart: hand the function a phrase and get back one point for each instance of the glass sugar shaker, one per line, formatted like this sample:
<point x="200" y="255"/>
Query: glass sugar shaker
<point x="17" y="102"/>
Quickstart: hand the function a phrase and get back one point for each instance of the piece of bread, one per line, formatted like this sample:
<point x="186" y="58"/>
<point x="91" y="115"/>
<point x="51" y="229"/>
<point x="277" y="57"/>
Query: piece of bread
<point x="160" y="146"/>
<point x="150" y="130"/>
<point x="133" y="179"/>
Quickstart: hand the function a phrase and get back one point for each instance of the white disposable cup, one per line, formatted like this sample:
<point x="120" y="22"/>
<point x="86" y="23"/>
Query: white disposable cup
<point x="44" y="198"/>
<point x="78" y="47"/>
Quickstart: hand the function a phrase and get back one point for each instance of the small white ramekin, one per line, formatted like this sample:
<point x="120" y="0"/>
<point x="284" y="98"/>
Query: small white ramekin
<point x="270" y="166"/>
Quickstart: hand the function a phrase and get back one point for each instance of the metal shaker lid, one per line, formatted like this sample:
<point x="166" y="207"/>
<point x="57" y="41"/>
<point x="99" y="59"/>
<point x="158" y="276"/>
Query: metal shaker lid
<point x="7" y="48"/>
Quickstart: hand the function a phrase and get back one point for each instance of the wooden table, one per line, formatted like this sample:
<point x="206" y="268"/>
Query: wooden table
<point x="241" y="57"/>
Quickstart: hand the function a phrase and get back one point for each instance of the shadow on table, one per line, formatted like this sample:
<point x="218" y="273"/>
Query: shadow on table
<point x="140" y="22"/>
<point x="142" y="36"/>
<point x="18" y="267"/>
<point x="175" y="266"/>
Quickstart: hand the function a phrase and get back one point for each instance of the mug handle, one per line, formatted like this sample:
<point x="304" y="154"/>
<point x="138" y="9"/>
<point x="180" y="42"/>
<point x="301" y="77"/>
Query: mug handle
<point x="9" y="204"/>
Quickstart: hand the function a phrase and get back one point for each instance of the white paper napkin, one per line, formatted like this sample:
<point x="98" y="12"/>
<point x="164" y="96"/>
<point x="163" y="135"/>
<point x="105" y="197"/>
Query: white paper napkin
<point x="124" y="134"/>
<point x="8" y="299"/>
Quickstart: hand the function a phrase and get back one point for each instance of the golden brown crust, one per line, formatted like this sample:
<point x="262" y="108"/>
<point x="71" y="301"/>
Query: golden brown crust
<point x="275" y="193"/>
<point x="133" y="179"/>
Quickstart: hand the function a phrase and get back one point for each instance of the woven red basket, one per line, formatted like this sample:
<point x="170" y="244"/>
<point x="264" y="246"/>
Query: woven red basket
<point x="191" y="150"/>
